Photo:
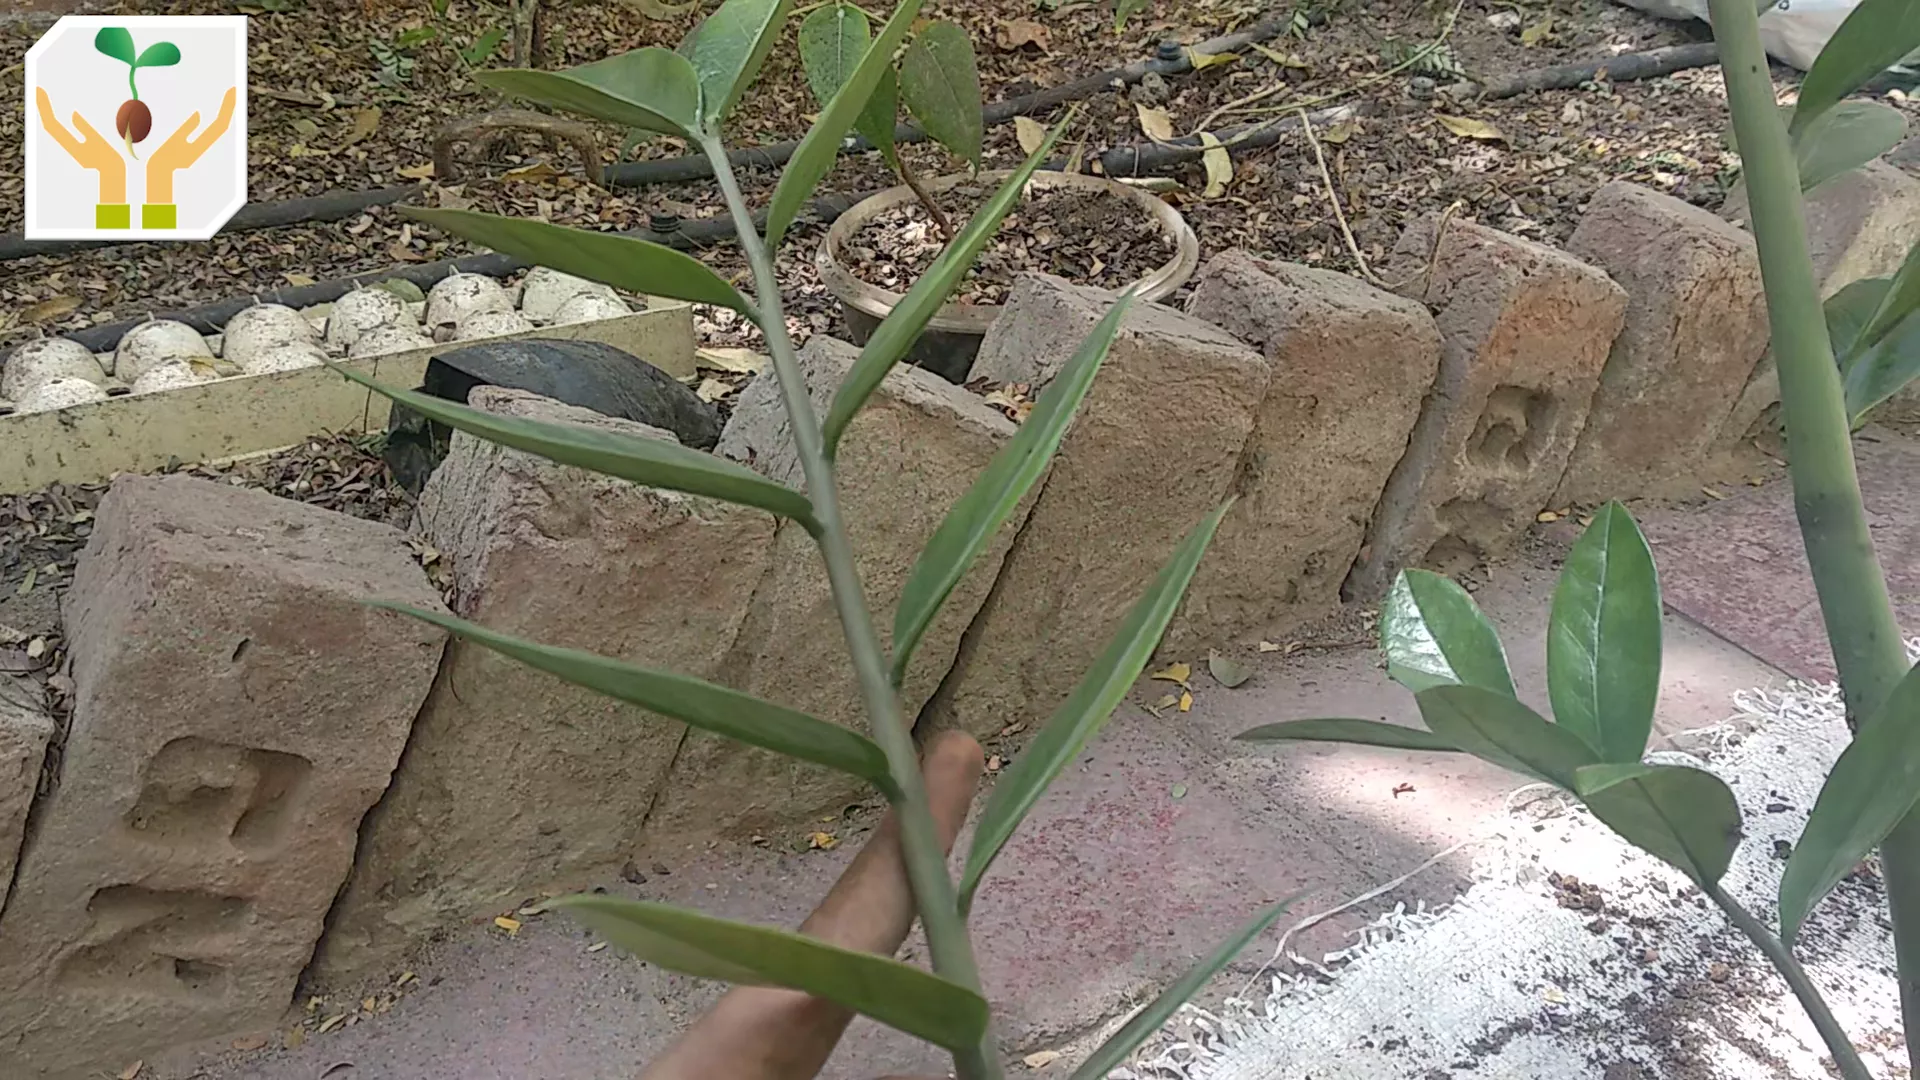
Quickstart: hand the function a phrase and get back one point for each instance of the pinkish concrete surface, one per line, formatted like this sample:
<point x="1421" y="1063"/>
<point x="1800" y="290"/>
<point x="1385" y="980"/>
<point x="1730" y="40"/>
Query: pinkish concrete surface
<point x="1159" y="840"/>
<point x="1737" y="565"/>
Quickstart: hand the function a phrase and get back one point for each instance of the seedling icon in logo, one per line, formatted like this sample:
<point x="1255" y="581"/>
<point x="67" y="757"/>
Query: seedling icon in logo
<point x="134" y="121"/>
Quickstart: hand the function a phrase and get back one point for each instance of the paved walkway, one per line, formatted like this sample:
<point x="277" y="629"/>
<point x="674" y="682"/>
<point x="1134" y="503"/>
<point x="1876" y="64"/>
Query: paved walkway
<point x="1162" y="837"/>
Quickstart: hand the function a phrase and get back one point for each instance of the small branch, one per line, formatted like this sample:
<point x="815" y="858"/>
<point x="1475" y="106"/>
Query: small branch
<point x="1333" y="196"/>
<point x="1835" y="1036"/>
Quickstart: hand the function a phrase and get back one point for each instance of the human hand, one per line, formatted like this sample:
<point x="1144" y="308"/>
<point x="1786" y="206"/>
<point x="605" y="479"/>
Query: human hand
<point x="89" y="150"/>
<point x="756" y="1033"/>
<point x="182" y="149"/>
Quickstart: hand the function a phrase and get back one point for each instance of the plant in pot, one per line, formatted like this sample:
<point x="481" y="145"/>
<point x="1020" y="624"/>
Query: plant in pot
<point x="1084" y="228"/>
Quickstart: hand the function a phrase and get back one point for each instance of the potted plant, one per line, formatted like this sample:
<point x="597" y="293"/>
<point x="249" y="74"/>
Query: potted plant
<point x="1084" y="228"/>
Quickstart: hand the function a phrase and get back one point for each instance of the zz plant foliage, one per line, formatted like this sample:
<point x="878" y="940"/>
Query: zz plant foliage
<point x="687" y="93"/>
<point x="1836" y="361"/>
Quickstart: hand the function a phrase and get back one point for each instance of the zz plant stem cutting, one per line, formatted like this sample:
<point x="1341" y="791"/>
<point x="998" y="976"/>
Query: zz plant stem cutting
<point x="687" y="93"/>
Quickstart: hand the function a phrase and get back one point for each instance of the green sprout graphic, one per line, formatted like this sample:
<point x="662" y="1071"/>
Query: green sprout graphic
<point x="134" y="121"/>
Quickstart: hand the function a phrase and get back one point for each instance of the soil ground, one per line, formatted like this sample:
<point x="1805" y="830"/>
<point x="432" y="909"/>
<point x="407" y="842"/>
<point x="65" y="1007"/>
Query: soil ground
<point x="322" y="119"/>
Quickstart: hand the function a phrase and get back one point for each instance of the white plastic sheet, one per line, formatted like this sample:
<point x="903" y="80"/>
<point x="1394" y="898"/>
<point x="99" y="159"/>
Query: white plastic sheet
<point x="1793" y="33"/>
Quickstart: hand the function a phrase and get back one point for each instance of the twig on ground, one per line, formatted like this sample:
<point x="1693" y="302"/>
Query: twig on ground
<point x="1339" y="214"/>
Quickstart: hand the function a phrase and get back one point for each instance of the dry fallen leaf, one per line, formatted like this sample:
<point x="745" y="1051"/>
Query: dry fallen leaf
<point x="1177" y="672"/>
<point x="1040" y="1059"/>
<point x="1339" y="133"/>
<point x="1546" y="517"/>
<point x="47" y="310"/>
<point x="1219" y="165"/>
<point x="1157" y="123"/>
<point x="332" y="1022"/>
<point x="1227" y="671"/>
<point x="297" y="280"/>
<point x="1030" y="132"/>
<point x="1167" y="701"/>
<point x="739" y="361"/>
<point x="1468" y="128"/>
<point x="295" y="1039"/>
<point x="417" y="172"/>
<point x="1713" y="493"/>
<point x="1537" y="33"/>
<point x="507" y="923"/>
<point x="365" y="123"/>
<point x="823" y="841"/>
<point x="539" y="170"/>
<point x="1201" y="60"/>
<point x="132" y="1070"/>
<point x="1186" y="701"/>
<point x="598" y="946"/>
<point x="711" y="390"/>
<point x="1269" y="646"/>
<point x="1016" y="33"/>
<point x="249" y="1042"/>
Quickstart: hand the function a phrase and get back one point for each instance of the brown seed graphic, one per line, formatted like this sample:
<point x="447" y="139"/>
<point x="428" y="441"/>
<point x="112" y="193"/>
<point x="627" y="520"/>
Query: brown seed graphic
<point x="134" y="121"/>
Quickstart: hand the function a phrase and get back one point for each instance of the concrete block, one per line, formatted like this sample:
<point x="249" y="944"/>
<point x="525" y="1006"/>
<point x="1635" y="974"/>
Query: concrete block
<point x="904" y="461"/>
<point x="25" y="728"/>
<point x="238" y="707"/>
<point x="516" y="781"/>
<point x="1155" y="448"/>
<point x="1525" y="330"/>
<point x="1860" y="224"/>
<point x="1351" y="365"/>
<point x="1696" y="325"/>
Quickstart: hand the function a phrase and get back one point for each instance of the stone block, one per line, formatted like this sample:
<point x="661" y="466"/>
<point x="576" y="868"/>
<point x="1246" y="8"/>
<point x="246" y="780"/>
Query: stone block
<point x="25" y="728"/>
<point x="237" y="709"/>
<point x="903" y="462"/>
<point x="1696" y="325"/>
<point x="516" y="781"/>
<point x="1860" y="224"/>
<point x="1525" y="330"/>
<point x="1155" y="448"/>
<point x="1351" y="365"/>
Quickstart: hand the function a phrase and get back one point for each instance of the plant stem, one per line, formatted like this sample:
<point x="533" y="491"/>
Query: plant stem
<point x="947" y="940"/>
<point x="912" y="180"/>
<point x="1866" y="642"/>
<point x="1844" y="1055"/>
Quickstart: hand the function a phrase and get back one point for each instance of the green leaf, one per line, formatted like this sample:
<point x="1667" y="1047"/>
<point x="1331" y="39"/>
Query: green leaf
<point x="1870" y="375"/>
<point x="1874" y="784"/>
<point x="1111" y="1054"/>
<point x="1496" y="727"/>
<point x="820" y="147"/>
<point x="654" y="462"/>
<point x="653" y="88"/>
<point x="1877" y="35"/>
<point x="1358" y="732"/>
<point x="1682" y="816"/>
<point x="115" y="41"/>
<point x="1434" y="634"/>
<point x="877" y="121"/>
<point x="1846" y="137"/>
<point x="898" y="995"/>
<point x="1603" y="643"/>
<point x="159" y="54"/>
<point x="941" y="85"/>
<point x="621" y="261"/>
<point x="833" y="40"/>
<point x="895" y="335"/>
<point x="683" y="697"/>
<point x="970" y="526"/>
<point x="1126" y="9"/>
<point x="1087" y="709"/>
<point x="1901" y="299"/>
<point x="728" y="49"/>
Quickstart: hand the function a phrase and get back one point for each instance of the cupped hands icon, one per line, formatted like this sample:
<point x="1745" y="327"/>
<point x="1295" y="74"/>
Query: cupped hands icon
<point x="93" y="152"/>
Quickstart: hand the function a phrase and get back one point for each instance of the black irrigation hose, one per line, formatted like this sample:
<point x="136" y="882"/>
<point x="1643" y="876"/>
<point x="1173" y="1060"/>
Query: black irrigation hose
<point x="338" y="206"/>
<point x="209" y="318"/>
<point x="1627" y="67"/>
